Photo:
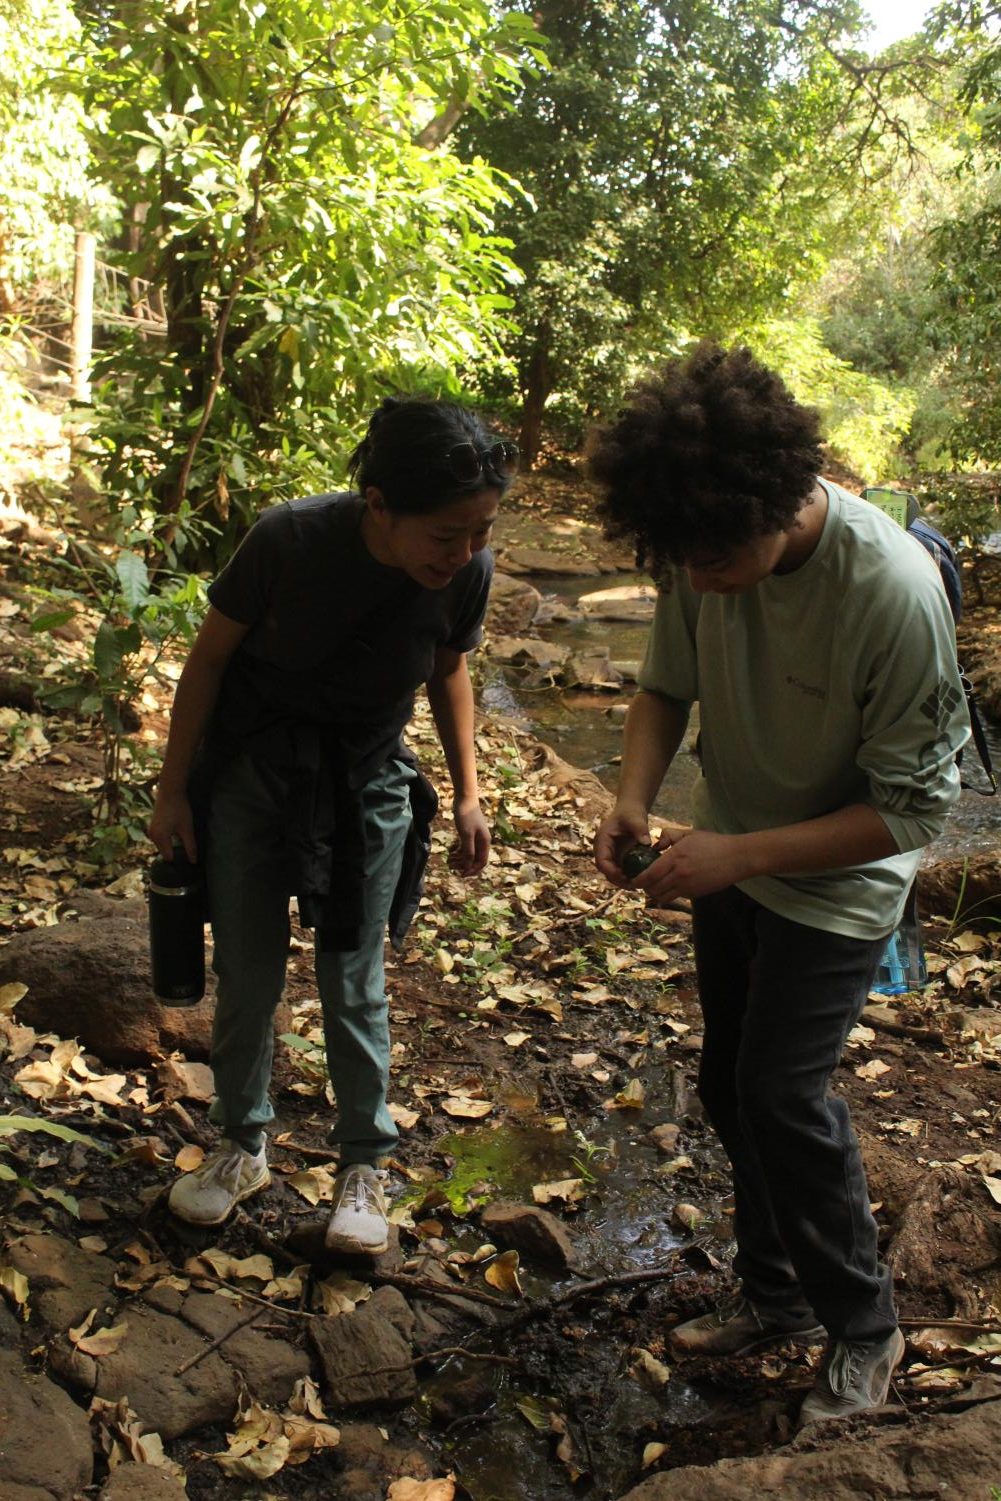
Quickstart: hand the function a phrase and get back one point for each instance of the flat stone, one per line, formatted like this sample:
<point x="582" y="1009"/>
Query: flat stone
<point x="366" y="1360"/>
<point x="628" y="602"/>
<point x="553" y="611"/>
<point x="144" y="1367"/>
<point x="136" y="1482"/>
<point x="45" y="1443"/>
<point x="65" y="1281"/>
<point x="591" y="669"/>
<point x="532" y="1231"/>
<point x="444" y="1321"/>
<point x="519" y="560"/>
<point x="271" y="1367"/>
<point x="528" y="651"/>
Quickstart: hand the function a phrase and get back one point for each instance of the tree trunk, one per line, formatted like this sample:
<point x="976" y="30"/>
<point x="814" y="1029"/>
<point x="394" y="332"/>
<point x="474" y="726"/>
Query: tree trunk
<point x="538" y="384"/>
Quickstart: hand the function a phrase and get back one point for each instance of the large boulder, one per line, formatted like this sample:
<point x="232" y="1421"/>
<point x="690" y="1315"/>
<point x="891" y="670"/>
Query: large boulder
<point x="91" y="980"/>
<point x="513" y="605"/>
<point x="155" y="1368"/>
<point x="64" y="1281"/>
<point x="45" y="1445"/>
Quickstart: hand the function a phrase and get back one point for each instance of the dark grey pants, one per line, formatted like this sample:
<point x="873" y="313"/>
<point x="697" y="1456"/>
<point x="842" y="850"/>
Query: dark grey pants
<point x="779" y="999"/>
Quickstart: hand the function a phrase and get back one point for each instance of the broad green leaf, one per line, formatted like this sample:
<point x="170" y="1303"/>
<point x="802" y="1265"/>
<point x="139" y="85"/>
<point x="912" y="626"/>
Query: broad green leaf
<point x="9" y="1124"/>
<point x="66" y="1200"/>
<point x="134" y="579"/>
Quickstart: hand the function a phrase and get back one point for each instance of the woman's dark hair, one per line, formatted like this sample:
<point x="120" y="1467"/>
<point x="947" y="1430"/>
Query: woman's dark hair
<point x="709" y="453"/>
<point x="405" y="454"/>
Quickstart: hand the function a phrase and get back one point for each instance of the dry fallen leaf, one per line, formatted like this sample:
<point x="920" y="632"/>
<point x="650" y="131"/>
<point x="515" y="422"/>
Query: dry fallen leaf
<point x="957" y="974"/>
<point x="188" y="1158"/>
<point x="873" y="1069"/>
<point x="407" y="1489"/>
<point x="102" y="1342"/>
<point x="515" y="1039"/>
<point x="651" y="1454"/>
<point x="633" y="1097"/>
<point x="15" y="1284"/>
<point x="312" y="1184"/>
<point x="969" y="942"/>
<point x="339" y="1294"/>
<point x="502" y="1273"/>
<point x="227" y="1267"/>
<point x="10" y="995"/>
<point x="405" y="1118"/>
<point x="465" y="1108"/>
<point x="570" y="1190"/>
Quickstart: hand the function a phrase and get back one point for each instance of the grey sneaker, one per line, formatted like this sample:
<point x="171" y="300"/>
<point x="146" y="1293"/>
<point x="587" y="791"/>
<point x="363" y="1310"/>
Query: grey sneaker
<point x="358" y="1222"/>
<point x="853" y="1377"/>
<point x="735" y="1327"/>
<point x="227" y="1175"/>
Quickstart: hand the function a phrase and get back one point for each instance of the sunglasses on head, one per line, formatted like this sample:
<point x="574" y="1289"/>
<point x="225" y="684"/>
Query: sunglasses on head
<point x="467" y="462"/>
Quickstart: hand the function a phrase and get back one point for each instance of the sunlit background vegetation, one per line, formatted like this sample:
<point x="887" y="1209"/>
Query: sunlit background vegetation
<point x="302" y="206"/>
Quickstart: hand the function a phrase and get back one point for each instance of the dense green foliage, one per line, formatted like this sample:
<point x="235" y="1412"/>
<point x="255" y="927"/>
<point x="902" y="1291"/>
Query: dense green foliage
<point x="46" y="188"/>
<point x="675" y="156"/>
<point x="530" y="201"/>
<point x="308" y="251"/>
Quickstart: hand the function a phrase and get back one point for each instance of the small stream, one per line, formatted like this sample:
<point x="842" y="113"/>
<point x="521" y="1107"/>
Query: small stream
<point x="586" y="729"/>
<point x="623" y="1224"/>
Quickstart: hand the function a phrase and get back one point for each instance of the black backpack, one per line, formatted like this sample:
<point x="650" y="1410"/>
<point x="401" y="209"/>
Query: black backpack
<point x="904" y="509"/>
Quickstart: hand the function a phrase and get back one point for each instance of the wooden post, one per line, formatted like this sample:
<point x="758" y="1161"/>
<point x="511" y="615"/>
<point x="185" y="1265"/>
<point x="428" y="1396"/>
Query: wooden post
<point x="81" y="336"/>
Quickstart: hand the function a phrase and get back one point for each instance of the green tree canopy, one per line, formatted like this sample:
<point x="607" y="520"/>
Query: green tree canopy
<point x="310" y="243"/>
<point x="690" y="165"/>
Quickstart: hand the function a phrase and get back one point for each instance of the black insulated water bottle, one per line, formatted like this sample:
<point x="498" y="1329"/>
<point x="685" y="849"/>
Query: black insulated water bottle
<point x="177" y="930"/>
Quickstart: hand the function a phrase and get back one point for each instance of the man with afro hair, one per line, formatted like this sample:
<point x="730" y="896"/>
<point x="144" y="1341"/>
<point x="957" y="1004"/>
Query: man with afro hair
<point x="817" y="639"/>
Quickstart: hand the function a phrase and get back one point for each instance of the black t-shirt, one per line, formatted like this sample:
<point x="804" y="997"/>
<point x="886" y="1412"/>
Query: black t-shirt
<point x="337" y="639"/>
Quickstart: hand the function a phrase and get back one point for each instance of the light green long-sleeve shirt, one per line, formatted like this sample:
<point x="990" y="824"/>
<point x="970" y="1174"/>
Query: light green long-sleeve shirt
<point x="834" y="684"/>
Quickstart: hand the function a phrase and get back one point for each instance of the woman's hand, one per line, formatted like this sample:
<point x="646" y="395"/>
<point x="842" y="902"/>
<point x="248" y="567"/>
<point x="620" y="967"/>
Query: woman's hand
<point x="171" y="821"/>
<point x="471" y="850"/>
<point x="625" y="826"/>
<point x="695" y="862"/>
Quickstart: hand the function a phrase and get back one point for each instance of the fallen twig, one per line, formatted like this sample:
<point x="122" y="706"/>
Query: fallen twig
<point x="448" y="1351"/>
<point x="313" y="1154"/>
<point x="431" y="1289"/>
<point x="221" y="1340"/>
<point x="986" y="1327"/>
<point x="927" y="1035"/>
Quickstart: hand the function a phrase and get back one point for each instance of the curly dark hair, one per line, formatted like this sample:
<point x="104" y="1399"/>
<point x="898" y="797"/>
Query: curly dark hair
<point x="709" y="453"/>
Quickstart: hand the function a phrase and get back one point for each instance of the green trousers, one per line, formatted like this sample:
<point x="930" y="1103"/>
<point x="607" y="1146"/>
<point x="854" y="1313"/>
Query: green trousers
<point x="250" y="885"/>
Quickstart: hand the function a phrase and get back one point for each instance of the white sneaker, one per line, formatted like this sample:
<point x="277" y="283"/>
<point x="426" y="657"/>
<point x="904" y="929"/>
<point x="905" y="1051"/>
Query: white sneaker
<point x="358" y="1222"/>
<point x="228" y="1174"/>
